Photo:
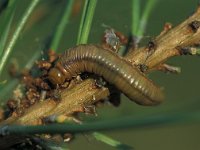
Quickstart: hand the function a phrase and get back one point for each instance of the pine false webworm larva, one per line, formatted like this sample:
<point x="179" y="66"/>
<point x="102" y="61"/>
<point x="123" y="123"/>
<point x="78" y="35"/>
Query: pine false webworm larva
<point x="113" y="68"/>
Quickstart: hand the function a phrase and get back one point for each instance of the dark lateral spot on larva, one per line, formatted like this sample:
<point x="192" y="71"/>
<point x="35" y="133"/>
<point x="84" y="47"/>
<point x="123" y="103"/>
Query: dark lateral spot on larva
<point x="194" y="25"/>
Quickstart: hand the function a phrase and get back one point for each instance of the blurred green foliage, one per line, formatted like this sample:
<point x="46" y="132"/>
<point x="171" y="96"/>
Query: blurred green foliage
<point x="182" y="91"/>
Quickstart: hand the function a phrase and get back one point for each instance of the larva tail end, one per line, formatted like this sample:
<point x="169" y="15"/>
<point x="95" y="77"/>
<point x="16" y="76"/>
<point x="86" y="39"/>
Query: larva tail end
<point x="151" y="101"/>
<point x="156" y="100"/>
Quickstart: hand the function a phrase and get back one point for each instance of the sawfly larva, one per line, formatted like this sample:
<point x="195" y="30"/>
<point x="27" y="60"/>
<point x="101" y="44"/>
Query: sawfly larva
<point x="112" y="67"/>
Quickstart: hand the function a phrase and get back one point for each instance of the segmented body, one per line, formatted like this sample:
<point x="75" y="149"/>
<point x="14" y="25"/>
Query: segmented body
<point x="113" y="68"/>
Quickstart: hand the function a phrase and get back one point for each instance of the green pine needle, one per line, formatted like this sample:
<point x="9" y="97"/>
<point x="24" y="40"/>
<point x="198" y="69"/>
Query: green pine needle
<point x="86" y="21"/>
<point x="145" y="16"/>
<point x="16" y="34"/>
<point x="114" y="143"/>
<point x="114" y="124"/>
<point x="5" y="28"/>
<point x="61" y="26"/>
<point x="135" y="16"/>
<point x="82" y="21"/>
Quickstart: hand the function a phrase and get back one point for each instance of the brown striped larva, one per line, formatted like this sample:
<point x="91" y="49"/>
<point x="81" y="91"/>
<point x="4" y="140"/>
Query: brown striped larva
<point x="113" y="68"/>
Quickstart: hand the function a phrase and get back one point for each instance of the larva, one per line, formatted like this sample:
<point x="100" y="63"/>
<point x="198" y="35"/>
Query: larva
<point x="113" y="68"/>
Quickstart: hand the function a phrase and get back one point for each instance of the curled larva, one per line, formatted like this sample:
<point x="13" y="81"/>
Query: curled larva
<point x="113" y="68"/>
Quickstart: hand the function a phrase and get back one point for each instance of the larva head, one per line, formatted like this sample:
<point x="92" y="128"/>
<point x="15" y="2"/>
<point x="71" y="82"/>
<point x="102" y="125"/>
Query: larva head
<point x="56" y="76"/>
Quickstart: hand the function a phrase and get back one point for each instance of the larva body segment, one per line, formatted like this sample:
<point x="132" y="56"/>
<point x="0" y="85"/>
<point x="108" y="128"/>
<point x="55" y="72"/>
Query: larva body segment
<point x="113" y="68"/>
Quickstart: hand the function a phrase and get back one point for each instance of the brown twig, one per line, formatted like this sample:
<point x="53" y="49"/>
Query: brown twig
<point x="75" y="99"/>
<point x="168" y="44"/>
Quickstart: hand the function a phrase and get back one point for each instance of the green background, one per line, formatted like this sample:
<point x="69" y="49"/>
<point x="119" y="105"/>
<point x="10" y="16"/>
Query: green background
<point x="182" y="91"/>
